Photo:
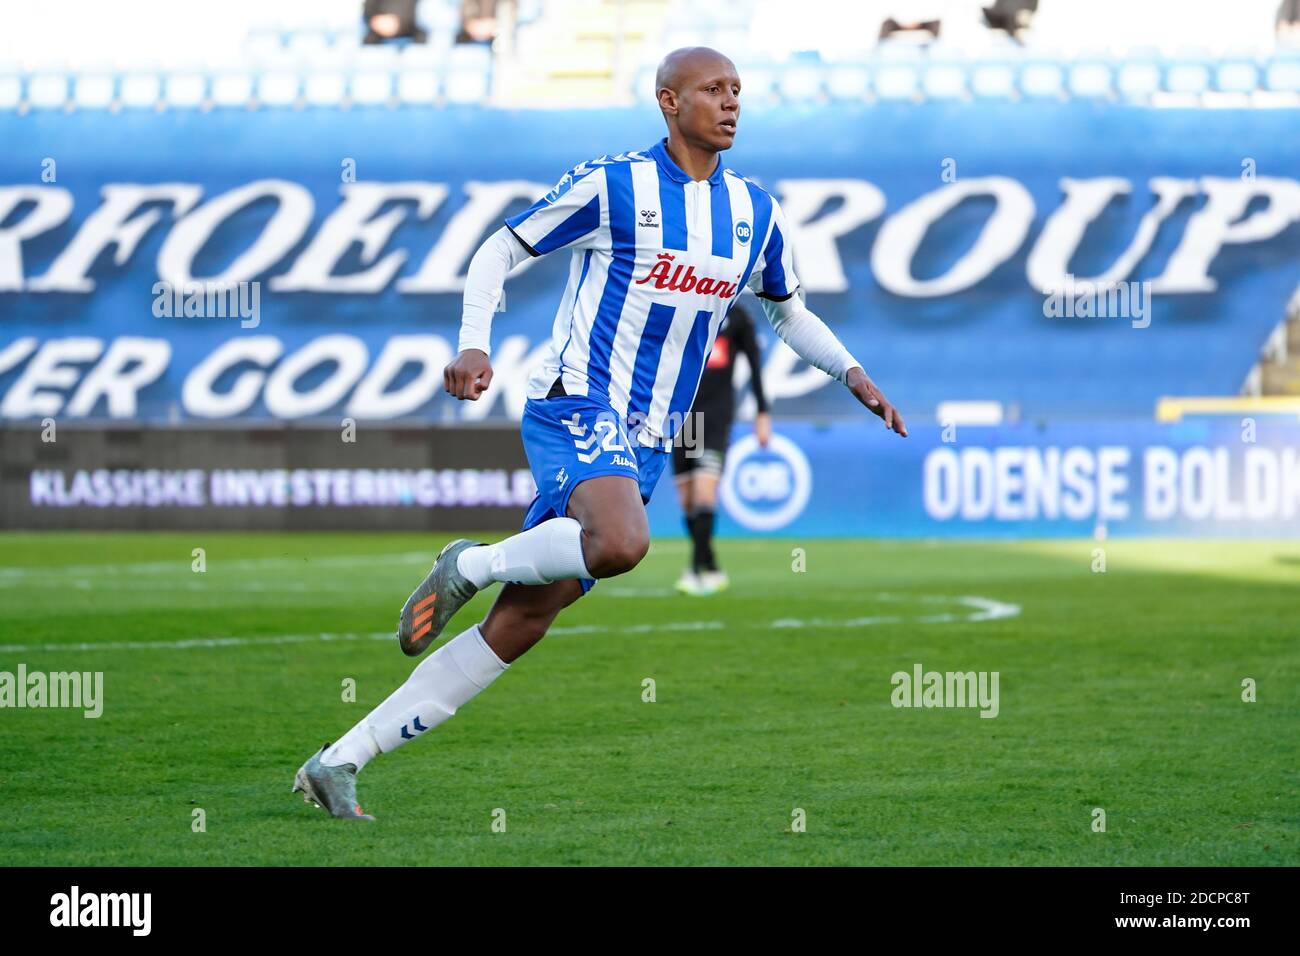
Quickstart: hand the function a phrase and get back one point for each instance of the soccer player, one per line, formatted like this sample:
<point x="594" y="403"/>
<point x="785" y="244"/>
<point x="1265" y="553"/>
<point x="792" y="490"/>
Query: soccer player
<point x="698" y="469"/>
<point x="660" y="242"/>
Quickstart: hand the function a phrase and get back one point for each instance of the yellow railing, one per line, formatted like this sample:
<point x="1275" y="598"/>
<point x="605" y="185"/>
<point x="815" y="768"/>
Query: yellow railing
<point x="1173" y="409"/>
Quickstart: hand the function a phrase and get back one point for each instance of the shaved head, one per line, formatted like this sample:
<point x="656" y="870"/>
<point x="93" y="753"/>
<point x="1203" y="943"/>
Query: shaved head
<point x="682" y="64"/>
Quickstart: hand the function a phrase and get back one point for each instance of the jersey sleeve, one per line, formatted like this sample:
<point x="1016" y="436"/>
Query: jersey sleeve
<point x="773" y="276"/>
<point x="569" y="216"/>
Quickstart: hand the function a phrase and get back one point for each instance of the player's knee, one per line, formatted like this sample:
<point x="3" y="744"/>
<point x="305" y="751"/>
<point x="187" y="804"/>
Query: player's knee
<point x="609" y="554"/>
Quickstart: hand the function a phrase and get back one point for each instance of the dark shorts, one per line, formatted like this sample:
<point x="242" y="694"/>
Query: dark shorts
<point x="708" y="448"/>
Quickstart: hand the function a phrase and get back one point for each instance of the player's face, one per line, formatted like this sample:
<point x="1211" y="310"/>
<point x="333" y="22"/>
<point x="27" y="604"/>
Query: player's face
<point x="709" y="108"/>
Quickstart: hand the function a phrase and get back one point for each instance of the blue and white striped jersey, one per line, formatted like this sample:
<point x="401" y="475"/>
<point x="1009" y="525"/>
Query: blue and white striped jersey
<point x="657" y="260"/>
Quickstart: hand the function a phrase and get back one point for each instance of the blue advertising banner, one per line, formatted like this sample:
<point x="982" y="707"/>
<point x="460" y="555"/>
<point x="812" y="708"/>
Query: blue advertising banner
<point x="1072" y="259"/>
<point x="1237" y="478"/>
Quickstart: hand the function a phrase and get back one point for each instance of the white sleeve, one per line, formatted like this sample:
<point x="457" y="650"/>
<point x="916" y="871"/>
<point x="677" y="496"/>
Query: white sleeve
<point x="808" y="335"/>
<point x="484" y="283"/>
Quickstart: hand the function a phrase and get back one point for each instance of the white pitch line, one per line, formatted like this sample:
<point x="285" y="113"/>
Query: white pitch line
<point x="181" y="565"/>
<point x="984" y="609"/>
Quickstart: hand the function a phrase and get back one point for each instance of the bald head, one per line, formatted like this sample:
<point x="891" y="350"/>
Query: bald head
<point x="682" y="65"/>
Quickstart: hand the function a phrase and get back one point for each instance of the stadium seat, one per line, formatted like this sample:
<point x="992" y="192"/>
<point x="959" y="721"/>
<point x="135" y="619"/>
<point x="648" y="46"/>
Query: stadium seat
<point x="232" y="89"/>
<point x="1091" y="80"/>
<point x="848" y="82"/>
<point x="1042" y="80"/>
<point x="372" y="88"/>
<point x="1139" y="79"/>
<point x="896" y="82"/>
<point x="944" y="81"/>
<point x="325" y="89"/>
<point x="1187" y="78"/>
<point x="185" y="89"/>
<point x="94" y="91"/>
<point x="1283" y="76"/>
<point x="141" y="90"/>
<point x="1238" y="77"/>
<point x="418" y="87"/>
<point x="993" y="81"/>
<point x="278" y="88"/>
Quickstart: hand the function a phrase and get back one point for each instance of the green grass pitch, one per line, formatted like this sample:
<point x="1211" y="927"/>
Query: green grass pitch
<point x="1119" y="690"/>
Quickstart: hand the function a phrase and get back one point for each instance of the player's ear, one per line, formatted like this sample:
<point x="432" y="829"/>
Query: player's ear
<point x="668" y="101"/>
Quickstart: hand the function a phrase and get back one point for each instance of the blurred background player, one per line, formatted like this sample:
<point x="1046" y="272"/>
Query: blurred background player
<point x="699" y="468"/>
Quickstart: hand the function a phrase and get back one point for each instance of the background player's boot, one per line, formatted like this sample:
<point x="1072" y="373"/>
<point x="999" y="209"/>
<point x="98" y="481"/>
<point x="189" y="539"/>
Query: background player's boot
<point x="442" y="593"/>
<point x="688" y="583"/>
<point x="332" y="788"/>
<point x="711" y="582"/>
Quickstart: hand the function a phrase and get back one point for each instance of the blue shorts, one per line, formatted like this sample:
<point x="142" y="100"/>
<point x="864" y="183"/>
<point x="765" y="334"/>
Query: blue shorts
<point x="571" y="438"/>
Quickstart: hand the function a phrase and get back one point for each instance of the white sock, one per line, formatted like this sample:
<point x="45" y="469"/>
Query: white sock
<point x="443" y="681"/>
<point x="552" y="551"/>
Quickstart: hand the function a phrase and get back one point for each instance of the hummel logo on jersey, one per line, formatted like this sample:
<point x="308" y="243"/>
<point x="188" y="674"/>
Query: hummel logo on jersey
<point x="648" y="217"/>
<point x="585" y="442"/>
<point x="623" y="462"/>
<point x="664" y="275"/>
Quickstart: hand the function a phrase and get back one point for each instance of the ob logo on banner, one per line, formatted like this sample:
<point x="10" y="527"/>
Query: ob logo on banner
<point x="766" y="488"/>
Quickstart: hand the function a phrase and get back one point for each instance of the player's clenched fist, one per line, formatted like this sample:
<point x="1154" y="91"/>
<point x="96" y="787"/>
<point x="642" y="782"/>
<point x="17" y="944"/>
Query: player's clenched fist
<point x="468" y="376"/>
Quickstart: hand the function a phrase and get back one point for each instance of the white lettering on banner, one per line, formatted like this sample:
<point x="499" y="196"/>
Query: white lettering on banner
<point x="1197" y="483"/>
<point x="354" y="221"/>
<point x="486" y="205"/>
<point x="50" y="368"/>
<point x="819" y="265"/>
<point x="430" y="353"/>
<point x="1002" y="235"/>
<point x="127" y="367"/>
<point x="348" y="355"/>
<point x="130" y="365"/>
<point x="118" y="488"/>
<point x="198" y="395"/>
<point x="299" y="488"/>
<point x="1219" y="222"/>
<point x="119" y="224"/>
<point x="288" y="224"/>
<point x="114" y="224"/>
<point x="1048" y="266"/>
<point x="52" y="207"/>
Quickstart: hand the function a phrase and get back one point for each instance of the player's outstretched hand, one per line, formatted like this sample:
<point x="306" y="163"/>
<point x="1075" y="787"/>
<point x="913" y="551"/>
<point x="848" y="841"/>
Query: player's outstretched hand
<point x="865" y="391"/>
<point x="763" y="428"/>
<point x="468" y="376"/>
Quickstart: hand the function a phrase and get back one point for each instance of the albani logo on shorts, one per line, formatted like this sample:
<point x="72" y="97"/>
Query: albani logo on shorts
<point x="664" y="275"/>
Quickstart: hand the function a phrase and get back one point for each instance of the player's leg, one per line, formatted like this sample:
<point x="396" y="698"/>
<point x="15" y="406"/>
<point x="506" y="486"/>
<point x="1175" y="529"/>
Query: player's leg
<point x="704" y="497"/>
<point x="615" y="536"/>
<point x="683" y="473"/>
<point x="573" y="458"/>
<point x="704" y="492"/>
<point x="548" y="551"/>
<point x="442" y="683"/>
